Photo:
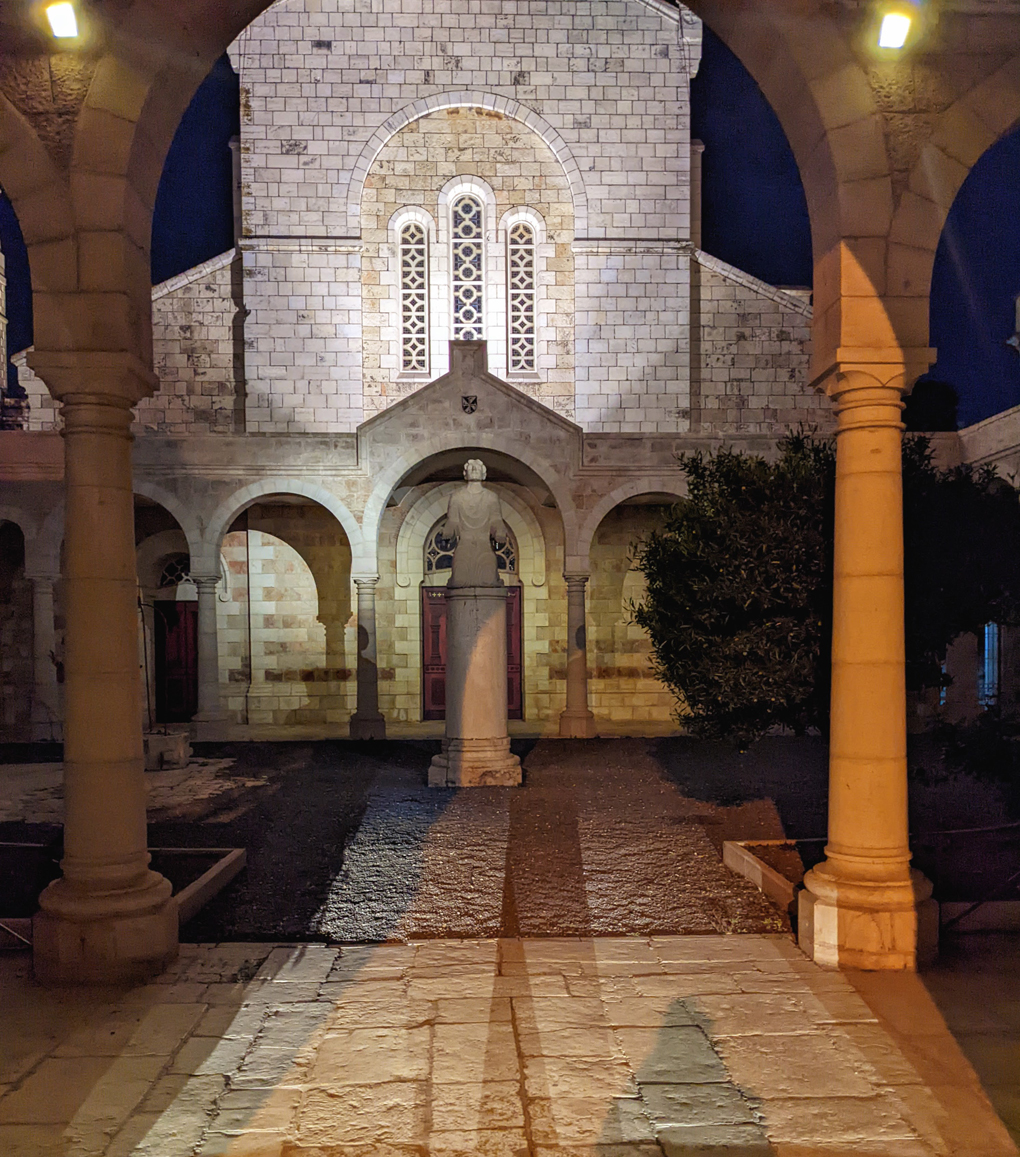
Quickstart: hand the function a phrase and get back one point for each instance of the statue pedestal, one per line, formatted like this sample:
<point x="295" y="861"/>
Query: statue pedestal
<point x="476" y="748"/>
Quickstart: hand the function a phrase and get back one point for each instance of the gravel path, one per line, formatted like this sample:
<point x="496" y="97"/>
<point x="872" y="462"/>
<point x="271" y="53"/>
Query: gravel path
<point x="347" y="844"/>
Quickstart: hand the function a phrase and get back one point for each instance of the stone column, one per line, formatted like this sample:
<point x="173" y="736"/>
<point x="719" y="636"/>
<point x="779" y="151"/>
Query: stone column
<point x="861" y="906"/>
<point x="576" y="721"/>
<point x="962" y="704"/>
<point x="476" y="746"/>
<point x="210" y="707"/>
<point x="367" y="722"/>
<point x="108" y="918"/>
<point x="45" y="692"/>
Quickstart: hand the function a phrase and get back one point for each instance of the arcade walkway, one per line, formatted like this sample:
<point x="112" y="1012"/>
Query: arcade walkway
<point x="616" y="1047"/>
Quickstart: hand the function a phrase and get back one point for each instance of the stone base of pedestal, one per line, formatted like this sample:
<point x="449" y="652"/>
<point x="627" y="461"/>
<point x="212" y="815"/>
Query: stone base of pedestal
<point x="871" y="926"/>
<point x="475" y="763"/>
<point x="367" y="728"/>
<point x="73" y="945"/>
<point x="579" y="726"/>
<point x="167" y="749"/>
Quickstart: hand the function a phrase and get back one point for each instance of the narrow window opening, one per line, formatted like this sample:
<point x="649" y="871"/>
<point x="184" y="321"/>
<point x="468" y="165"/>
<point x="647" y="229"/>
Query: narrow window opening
<point x="414" y="293"/>
<point x="521" y="297"/>
<point x="468" y="241"/>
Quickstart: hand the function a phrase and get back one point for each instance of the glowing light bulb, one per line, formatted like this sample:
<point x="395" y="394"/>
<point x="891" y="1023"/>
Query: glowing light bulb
<point x="63" y="22"/>
<point x="894" y="30"/>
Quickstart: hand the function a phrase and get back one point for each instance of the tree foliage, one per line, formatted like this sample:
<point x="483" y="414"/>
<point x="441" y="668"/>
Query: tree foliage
<point x="739" y="580"/>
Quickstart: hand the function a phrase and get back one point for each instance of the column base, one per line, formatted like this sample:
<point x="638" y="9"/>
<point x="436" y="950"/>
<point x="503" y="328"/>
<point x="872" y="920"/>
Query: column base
<point x="891" y="925"/>
<point x="579" y="725"/>
<point x="368" y="727"/>
<point x="475" y="763"/>
<point x="112" y="938"/>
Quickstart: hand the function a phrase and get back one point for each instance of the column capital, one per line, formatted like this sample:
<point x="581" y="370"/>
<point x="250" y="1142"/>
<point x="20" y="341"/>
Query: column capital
<point x="367" y="580"/>
<point x="201" y="580"/>
<point x="41" y="576"/>
<point x="893" y="366"/>
<point x="100" y="375"/>
<point x="576" y="579"/>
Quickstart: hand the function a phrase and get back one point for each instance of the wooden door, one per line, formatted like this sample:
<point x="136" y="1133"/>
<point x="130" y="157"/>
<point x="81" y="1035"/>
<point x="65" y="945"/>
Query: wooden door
<point x="433" y="653"/>
<point x="176" y="661"/>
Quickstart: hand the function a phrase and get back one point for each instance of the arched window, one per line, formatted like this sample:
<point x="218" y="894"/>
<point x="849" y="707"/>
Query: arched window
<point x="468" y="268"/>
<point x="414" y="294"/>
<point x="439" y="552"/>
<point x="520" y="265"/>
<point x="175" y="569"/>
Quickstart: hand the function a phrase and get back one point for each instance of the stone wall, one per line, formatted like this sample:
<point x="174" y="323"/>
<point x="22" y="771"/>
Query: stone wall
<point x="197" y="352"/>
<point x="284" y="620"/>
<point x="622" y="688"/>
<point x="16" y="676"/>
<point x="752" y="357"/>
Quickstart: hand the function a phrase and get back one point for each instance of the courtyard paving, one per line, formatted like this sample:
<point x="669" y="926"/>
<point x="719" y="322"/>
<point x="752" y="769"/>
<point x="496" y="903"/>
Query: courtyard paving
<point x="609" y="1047"/>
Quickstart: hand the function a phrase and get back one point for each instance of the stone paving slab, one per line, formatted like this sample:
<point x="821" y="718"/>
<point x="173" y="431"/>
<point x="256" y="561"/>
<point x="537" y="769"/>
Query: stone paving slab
<point x="490" y="1048"/>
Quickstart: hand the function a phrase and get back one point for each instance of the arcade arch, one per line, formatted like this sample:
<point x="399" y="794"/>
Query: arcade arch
<point x="622" y="689"/>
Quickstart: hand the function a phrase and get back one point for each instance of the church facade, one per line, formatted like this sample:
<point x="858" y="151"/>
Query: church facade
<point x="462" y="230"/>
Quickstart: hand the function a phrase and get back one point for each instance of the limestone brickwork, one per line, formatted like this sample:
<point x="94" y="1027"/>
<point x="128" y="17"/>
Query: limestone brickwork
<point x="623" y="690"/>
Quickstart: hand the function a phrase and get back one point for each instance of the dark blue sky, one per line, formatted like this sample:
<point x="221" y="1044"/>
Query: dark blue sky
<point x="754" y="216"/>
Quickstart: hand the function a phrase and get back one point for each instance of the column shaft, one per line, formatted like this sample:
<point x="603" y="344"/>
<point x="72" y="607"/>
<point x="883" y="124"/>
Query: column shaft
<point x="367" y="722"/>
<point x="109" y="917"/>
<point x="858" y="909"/>
<point x="577" y="721"/>
<point x="209" y="701"/>
<point x="46" y="726"/>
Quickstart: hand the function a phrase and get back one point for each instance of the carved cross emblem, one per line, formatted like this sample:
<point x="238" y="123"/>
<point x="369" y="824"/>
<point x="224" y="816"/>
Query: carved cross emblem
<point x="469" y="403"/>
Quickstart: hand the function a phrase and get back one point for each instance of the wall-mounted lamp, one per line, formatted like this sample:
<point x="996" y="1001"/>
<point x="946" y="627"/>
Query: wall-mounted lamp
<point x="894" y="30"/>
<point x="63" y="21"/>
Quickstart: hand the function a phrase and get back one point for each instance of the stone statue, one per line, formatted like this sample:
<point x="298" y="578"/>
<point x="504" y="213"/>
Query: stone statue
<point x="473" y="518"/>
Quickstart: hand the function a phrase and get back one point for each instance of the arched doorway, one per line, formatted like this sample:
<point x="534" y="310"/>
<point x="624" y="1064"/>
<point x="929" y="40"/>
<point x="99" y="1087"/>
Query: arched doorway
<point x="437" y="563"/>
<point x="168" y="613"/>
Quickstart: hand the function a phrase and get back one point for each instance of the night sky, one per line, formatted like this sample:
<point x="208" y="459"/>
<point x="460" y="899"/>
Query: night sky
<point x="754" y="217"/>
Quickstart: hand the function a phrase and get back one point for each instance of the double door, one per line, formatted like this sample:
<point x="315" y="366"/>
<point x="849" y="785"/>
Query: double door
<point x="433" y="642"/>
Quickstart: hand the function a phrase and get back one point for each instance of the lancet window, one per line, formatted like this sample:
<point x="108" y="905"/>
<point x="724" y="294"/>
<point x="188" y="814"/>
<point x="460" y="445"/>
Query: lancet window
<point x="468" y="268"/>
<point x="414" y="294"/>
<point x="520" y="266"/>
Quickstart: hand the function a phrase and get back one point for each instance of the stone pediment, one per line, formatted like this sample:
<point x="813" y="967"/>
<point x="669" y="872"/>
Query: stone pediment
<point x="470" y="407"/>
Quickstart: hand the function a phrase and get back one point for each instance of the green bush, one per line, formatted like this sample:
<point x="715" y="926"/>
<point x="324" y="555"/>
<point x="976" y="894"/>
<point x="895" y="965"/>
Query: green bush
<point x="739" y="578"/>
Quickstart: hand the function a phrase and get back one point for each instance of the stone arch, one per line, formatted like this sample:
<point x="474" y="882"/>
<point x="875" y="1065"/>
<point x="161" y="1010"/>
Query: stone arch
<point x="630" y="489"/>
<point x="231" y="507"/>
<point x="188" y="523"/>
<point x="388" y="478"/>
<point x="487" y="100"/>
<point x="961" y="136"/>
<point x="153" y="551"/>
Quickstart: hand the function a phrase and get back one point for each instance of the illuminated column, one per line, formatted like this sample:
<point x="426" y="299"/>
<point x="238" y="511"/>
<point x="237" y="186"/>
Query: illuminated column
<point x="861" y="906"/>
<point x="210" y="706"/>
<point x="576" y="721"/>
<point x="45" y="691"/>
<point x="367" y="722"/>
<point x="108" y="918"/>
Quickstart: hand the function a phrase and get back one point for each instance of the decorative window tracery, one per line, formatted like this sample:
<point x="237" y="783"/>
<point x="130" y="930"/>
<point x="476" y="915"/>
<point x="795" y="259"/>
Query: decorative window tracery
<point x="439" y="552"/>
<point x="468" y="242"/>
<point x="521" y="298"/>
<point x="414" y="294"/>
<point x="175" y="569"/>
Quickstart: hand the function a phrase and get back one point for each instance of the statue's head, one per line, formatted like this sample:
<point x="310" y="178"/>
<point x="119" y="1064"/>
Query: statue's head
<point x="474" y="470"/>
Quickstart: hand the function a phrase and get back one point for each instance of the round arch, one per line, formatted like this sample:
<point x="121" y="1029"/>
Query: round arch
<point x="173" y="505"/>
<point x="388" y="479"/>
<point x="430" y="507"/>
<point x="629" y="489"/>
<point x="231" y="507"/>
<point x="469" y="99"/>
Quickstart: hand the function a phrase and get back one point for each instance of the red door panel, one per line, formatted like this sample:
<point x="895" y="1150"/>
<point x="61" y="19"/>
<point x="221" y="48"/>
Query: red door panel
<point x="514" y="668"/>
<point x="176" y="661"/>
<point x="433" y="653"/>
